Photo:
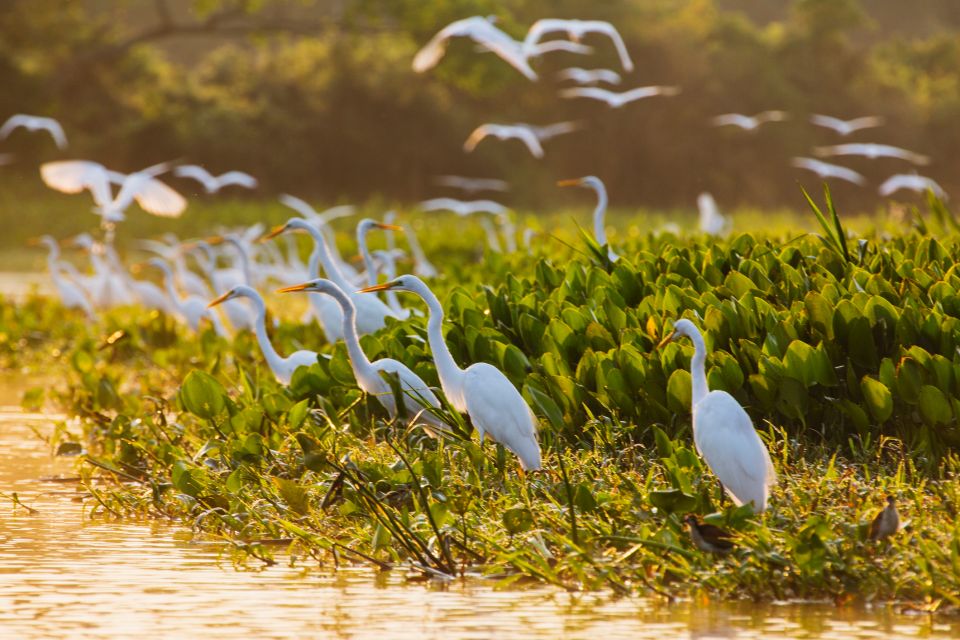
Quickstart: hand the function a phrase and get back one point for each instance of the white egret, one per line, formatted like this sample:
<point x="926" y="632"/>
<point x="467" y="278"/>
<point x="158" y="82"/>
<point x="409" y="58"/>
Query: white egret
<point x="363" y="228"/>
<point x="481" y="30"/>
<point x="712" y="222"/>
<point x="72" y="295"/>
<point x="240" y="315"/>
<point x="911" y="182"/>
<point x="421" y="264"/>
<point x="107" y="287"/>
<point x="590" y="76"/>
<point x="212" y="183"/>
<point x="35" y="123"/>
<point x="615" y="99"/>
<point x="493" y="242"/>
<point x="172" y="251"/>
<point x="481" y="390"/>
<point x="281" y="367"/>
<point x="472" y="185"/>
<point x="723" y="432"/>
<point x="600" y="213"/>
<point x="322" y="221"/>
<point x="846" y="127"/>
<point x="827" y="170"/>
<point x="190" y="308"/>
<point x="418" y="399"/>
<point x="463" y="207"/>
<point x="748" y="123"/>
<point x="388" y="267"/>
<point x="522" y="132"/>
<point x="575" y="31"/>
<point x="371" y="311"/>
<point x="872" y="151"/>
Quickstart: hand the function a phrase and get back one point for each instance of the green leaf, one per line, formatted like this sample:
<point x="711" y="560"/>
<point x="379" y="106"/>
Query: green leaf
<point x="294" y="495"/>
<point x="672" y="500"/>
<point x="202" y="395"/>
<point x="878" y="398"/>
<point x="934" y="406"/>
<point x="679" y="391"/>
<point x="517" y="519"/>
<point x="297" y="414"/>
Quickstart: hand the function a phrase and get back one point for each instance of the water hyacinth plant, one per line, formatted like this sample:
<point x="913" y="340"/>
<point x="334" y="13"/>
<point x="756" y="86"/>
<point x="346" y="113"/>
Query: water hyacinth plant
<point x="843" y="353"/>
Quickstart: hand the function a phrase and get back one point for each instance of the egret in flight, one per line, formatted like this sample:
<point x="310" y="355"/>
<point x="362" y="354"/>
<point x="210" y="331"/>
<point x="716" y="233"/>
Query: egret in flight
<point x="846" y="127"/>
<point x="418" y="399"/>
<point x="281" y="367"/>
<point x="617" y="100"/>
<point x="827" y="170"/>
<point x="481" y="30"/>
<point x="589" y="76"/>
<point x="463" y="207"/>
<point x="35" y="123"/>
<point x="748" y="123"/>
<point x="212" y="183"/>
<point x="911" y="182"/>
<point x="481" y="390"/>
<point x="723" y="432"/>
<point x="472" y="185"/>
<point x="872" y="151"/>
<point x="575" y="30"/>
<point x="531" y="135"/>
<point x="600" y="213"/>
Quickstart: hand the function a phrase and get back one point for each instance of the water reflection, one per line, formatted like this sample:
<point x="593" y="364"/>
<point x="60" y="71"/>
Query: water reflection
<point x="64" y="575"/>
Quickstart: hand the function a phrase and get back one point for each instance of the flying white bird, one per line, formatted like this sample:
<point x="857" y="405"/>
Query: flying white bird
<point x="599" y="213"/>
<point x="281" y="367"/>
<point x="73" y="176"/>
<point x="846" y="127"/>
<point x="530" y="135"/>
<point x="872" y="151"/>
<point x="481" y="390"/>
<point x="712" y="222"/>
<point x="212" y="183"/>
<point x="35" y="123"/>
<point x="617" y="100"/>
<point x="827" y="170"/>
<point x="575" y="31"/>
<point x="723" y="432"/>
<point x="472" y="185"/>
<point x="463" y="207"/>
<point x="589" y="76"/>
<point x="417" y="401"/>
<point x="748" y="123"/>
<point x="311" y="214"/>
<point x="482" y="31"/>
<point x="912" y="182"/>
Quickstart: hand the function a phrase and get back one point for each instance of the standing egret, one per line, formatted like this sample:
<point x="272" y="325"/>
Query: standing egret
<point x="712" y="222"/>
<point x="600" y="213"/>
<point x="418" y="400"/>
<point x="72" y="295"/>
<point x="481" y="390"/>
<point x="421" y="264"/>
<point x="191" y="309"/>
<point x="723" y="433"/>
<point x="281" y="367"/>
<point x="371" y="311"/>
<point x="372" y="272"/>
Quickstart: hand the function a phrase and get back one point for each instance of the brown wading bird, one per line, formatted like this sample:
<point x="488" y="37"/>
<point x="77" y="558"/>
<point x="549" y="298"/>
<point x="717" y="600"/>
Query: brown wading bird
<point x="707" y="537"/>
<point x="887" y="521"/>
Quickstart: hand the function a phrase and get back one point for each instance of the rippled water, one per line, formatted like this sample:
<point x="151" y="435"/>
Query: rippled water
<point x="65" y="575"/>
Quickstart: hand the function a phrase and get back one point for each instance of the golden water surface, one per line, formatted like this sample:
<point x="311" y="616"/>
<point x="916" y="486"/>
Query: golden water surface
<point x="63" y="574"/>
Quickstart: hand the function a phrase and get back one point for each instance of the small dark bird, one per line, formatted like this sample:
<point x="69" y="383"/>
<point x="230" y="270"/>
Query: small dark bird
<point x="887" y="521"/>
<point x="707" y="537"/>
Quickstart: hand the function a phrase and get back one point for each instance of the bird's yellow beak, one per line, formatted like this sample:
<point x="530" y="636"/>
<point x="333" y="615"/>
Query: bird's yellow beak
<point x="215" y="240"/>
<point x="274" y="232"/>
<point x="33" y="242"/>
<point x="388" y="227"/>
<point x="297" y="287"/>
<point x="137" y="267"/>
<point x="669" y="338"/>
<point x="222" y="298"/>
<point x="573" y="182"/>
<point x="357" y="259"/>
<point x="376" y="287"/>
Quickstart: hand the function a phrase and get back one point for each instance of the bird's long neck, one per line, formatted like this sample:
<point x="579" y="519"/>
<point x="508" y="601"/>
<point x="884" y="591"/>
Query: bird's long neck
<point x="492" y="241"/>
<point x="321" y="255"/>
<point x="599" y="215"/>
<point x="168" y="285"/>
<point x="362" y="368"/>
<point x="274" y="359"/>
<point x="52" y="257"/>
<point x="367" y="258"/>
<point x="698" y="373"/>
<point x="244" y="261"/>
<point x="414" y="243"/>
<point x="450" y="374"/>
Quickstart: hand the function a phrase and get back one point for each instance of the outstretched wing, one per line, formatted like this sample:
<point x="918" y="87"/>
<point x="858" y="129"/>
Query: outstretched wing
<point x="73" y="176"/>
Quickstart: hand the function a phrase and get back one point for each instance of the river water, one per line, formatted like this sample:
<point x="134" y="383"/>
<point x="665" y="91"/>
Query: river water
<point x="65" y="574"/>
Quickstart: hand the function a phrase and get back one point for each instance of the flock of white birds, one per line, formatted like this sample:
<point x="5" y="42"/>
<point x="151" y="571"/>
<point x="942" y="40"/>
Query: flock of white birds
<point x="229" y="270"/>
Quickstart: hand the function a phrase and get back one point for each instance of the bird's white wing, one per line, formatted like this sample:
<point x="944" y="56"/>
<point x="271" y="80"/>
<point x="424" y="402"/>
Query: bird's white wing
<point x="611" y="32"/>
<point x="339" y="211"/>
<point x="55" y="130"/>
<point x="558" y="45"/>
<point x="549" y="131"/>
<point x="238" y="178"/>
<point x="504" y="46"/>
<point x="596" y="93"/>
<point x="73" y="176"/>
<point x="18" y="120"/>
<point x="726" y="439"/>
<point x="477" y="135"/>
<point x="735" y="119"/>
<point x="526" y="135"/>
<point x="442" y="204"/>
<point x="865" y="122"/>
<point x="298" y="205"/>
<point x="827" y="170"/>
<point x="497" y="409"/>
<point x="828" y="122"/>
<point x="542" y="27"/>
<point x="152" y="195"/>
<point x="484" y="206"/>
<point x="640" y="93"/>
<point x="431" y="53"/>
<point x="198" y="173"/>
